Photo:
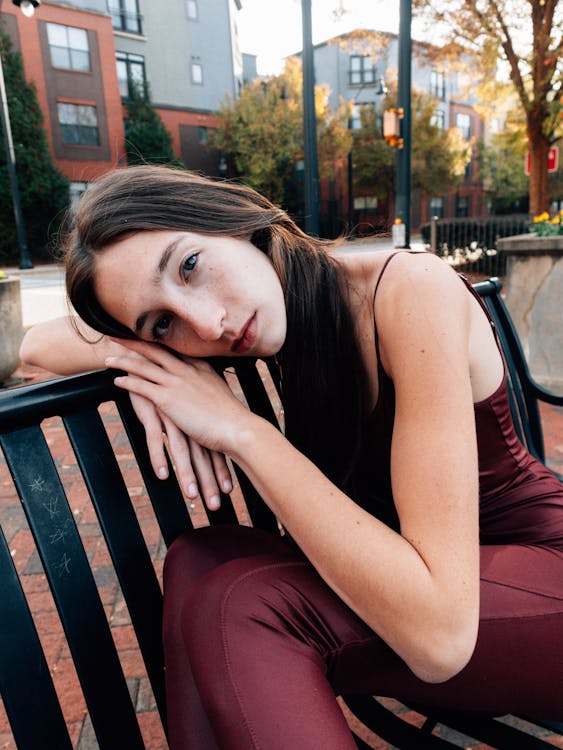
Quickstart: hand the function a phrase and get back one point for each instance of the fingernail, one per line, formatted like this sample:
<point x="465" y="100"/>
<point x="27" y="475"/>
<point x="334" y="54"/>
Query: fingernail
<point x="192" y="490"/>
<point x="214" y="502"/>
<point x="227" y="485"/>
<point x="163" y="472"/>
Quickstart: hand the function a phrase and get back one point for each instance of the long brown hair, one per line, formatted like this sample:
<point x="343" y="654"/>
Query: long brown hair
<point x="323" y="379"/>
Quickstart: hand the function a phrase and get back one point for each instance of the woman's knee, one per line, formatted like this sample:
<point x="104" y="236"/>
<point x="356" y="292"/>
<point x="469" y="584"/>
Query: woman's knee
<point x="245" y="603"/>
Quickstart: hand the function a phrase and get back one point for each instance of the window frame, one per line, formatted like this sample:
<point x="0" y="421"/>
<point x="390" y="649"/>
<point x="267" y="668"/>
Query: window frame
<point x="361" y="71"/>
<point x="438" y="84"/>
<point x="465" y="130"/>
<point x="192" y="4"/>
<point x="68" y="47"/>
<point x="130" y="59"/>
<point x="193" y="66"/>
<point x="121" y="16"/>
<point x="80" y="128"/>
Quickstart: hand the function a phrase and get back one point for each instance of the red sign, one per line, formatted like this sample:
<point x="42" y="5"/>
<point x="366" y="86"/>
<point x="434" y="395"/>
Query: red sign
<point x="552" y="160"/>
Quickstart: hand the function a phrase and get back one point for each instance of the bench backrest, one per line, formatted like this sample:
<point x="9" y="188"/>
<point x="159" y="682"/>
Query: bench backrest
<point x="28" y="691"/>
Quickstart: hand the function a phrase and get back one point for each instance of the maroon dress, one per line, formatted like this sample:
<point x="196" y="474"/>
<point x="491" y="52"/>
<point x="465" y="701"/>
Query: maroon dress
<point x="257" y="646"/>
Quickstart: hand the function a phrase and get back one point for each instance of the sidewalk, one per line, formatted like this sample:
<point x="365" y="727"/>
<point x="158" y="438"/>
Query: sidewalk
<point x="43" y="297"/>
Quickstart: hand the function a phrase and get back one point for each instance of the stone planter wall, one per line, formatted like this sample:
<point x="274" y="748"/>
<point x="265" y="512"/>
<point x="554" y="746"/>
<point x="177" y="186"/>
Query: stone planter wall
<point x="11" y="326"/>
<point x="534" y="297"/>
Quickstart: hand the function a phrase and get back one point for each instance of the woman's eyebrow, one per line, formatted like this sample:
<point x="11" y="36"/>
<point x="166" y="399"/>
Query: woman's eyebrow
<point x="164" y="258"/>
<point x="160" y="269"/>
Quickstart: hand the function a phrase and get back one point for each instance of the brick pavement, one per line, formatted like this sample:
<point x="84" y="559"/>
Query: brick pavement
<point x="29" y="567"/>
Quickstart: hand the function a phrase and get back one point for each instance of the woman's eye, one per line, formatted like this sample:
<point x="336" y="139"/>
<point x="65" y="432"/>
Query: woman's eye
<point x="160" y="328"/>
<point x="188" y="265"/>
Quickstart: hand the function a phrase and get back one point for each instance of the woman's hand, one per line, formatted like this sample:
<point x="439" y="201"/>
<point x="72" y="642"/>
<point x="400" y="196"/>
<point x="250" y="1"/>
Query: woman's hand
<point x="187" y="392"/>
<point x="199" y="471"/>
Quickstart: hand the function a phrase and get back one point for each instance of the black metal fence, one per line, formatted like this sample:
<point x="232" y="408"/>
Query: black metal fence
<point x="469" y="244"/>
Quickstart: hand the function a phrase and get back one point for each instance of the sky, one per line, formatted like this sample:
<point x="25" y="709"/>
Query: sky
<point x="271" y="29"/>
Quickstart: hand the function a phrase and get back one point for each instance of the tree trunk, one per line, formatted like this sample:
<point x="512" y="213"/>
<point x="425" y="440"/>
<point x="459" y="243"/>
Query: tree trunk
<point x="538" y="145"/>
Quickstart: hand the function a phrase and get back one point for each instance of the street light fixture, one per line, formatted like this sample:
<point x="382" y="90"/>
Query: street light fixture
<point x="28" y="9"/>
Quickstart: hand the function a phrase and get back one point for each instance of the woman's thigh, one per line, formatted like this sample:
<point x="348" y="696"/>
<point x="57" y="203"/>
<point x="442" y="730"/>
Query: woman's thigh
<point x="256" y="614"/>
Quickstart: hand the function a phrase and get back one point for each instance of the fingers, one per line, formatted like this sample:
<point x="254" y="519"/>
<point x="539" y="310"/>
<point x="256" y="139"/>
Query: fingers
<point x="180" y="456"/>
<point x="222" y="471"/>
<point x="207" y="481"/>
<point x="149" y="418"/>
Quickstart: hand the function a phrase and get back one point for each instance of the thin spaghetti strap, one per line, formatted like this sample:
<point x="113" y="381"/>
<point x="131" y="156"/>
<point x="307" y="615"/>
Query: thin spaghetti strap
<point x="390" y="258"/>
<point x="376" y="332"/>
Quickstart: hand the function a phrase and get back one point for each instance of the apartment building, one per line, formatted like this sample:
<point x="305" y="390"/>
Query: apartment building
<point x="355" y="74"/>
<point x="82" y="54"/>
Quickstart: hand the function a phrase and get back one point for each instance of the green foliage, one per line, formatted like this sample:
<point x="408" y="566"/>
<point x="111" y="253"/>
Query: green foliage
<point x="44" y="191"/>
<point x="147" y="141"/>
<point x="438" y="157"/>
<point x="526" y="36"/>
<point x="502" y="168"/>
<point x="262" y="133"/>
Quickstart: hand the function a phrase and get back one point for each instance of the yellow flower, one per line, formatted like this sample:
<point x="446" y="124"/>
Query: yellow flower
<point x="2" y="275"/>
<point x="555" y="220"/>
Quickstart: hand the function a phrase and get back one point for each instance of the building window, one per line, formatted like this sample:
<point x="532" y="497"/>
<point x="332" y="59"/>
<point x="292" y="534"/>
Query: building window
<point x="365" y="203"/>
<point x="362" y="70"/>
<point x="79" y="124"/>
<point x="462" y="206"/>
<point x="197" y="73"/>
<point x="438" y="119"/>
<point x="68" y="46"/>
<point x="436" y="208"/>
<point x="463" y="124"/>
<point x="192" y="11"/>
<point x="130" y="70"/>
<point x="355" y="121"/>
<point x="438" y="84"/>
<point x="125" y="15"/>
<point x="202" y="134"/>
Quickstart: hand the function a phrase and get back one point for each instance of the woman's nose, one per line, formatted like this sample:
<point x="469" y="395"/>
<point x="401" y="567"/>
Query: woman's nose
<point x="206" y="320"/>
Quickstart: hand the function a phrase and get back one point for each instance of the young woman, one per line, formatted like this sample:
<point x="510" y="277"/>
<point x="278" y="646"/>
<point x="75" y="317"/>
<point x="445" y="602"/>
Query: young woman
<point x="426" y="552"/>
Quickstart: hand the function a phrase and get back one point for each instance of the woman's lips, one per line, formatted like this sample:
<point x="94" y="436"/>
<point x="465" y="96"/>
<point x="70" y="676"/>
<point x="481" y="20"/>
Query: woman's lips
<point x="247" y="338"/>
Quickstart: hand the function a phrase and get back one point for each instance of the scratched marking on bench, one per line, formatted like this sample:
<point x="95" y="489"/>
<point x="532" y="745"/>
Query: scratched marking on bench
<point x="64" y="565"/>
<point x="60" y="533"/>
<point x="37" y="485"/>
<point x="51" y="505"/>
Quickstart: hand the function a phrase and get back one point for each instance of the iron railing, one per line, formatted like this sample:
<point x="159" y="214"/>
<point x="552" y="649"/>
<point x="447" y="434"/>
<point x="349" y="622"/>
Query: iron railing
<point x="470" y="244"/>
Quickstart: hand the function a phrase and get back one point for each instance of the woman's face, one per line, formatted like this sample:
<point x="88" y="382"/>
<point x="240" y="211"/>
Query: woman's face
<point x="200" y="295"/>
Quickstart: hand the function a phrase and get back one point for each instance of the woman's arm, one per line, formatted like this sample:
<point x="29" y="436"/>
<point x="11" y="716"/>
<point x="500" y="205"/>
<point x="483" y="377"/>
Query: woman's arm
<point x="419" y="589"/>
<point x="56" y="346"/>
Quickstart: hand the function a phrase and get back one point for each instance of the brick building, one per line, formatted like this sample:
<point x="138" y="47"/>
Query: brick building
<point x="81" y="55"/>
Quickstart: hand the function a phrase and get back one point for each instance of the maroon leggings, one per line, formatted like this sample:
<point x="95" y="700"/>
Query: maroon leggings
<point x="257" y="646"/>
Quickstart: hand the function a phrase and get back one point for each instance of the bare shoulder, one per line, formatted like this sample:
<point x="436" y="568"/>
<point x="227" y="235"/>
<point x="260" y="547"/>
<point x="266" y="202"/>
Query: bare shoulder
<point x="416" y="278"/>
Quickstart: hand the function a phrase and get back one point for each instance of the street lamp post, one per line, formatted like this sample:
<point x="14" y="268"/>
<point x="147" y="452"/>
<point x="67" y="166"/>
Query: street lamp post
<point x="403" y="206"/>
<point x="310" y="126"/>
<point x="28" y="8"/>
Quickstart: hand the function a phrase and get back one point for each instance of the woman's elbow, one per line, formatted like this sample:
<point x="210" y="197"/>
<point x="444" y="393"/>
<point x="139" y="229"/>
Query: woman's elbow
<point x="31" y="348"/>
<point x="447" y="656"/>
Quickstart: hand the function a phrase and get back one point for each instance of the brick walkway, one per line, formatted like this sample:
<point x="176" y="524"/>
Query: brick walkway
<point x="29" y="567"/>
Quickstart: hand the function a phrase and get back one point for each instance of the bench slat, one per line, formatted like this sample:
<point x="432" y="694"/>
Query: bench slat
<point x="123" y="537"/>
<point x="74" y="590"/>
<point x="28" y="693"/>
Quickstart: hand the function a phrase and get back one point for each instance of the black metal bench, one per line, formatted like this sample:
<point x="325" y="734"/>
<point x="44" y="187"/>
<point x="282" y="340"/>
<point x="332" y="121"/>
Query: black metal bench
<point x="34" y="710"/>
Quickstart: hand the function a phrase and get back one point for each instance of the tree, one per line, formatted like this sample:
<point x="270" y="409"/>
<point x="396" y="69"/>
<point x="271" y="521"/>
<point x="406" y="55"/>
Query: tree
<point x="438" y="157"/>
<point x="146" y="138"/>
<point x="44" y="191"/>
<point x="527" y="36"/>
<point x="262" y="133"/>
<point x="501" y="164"/>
